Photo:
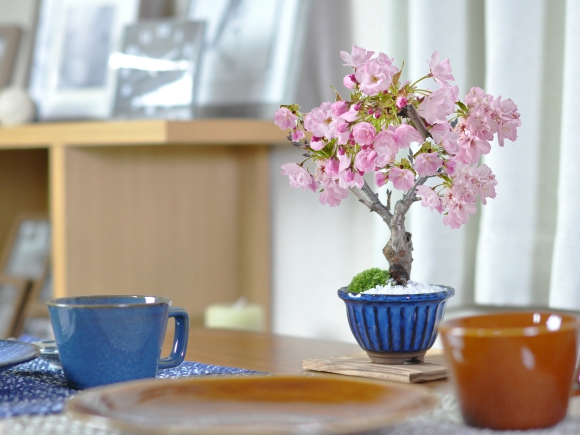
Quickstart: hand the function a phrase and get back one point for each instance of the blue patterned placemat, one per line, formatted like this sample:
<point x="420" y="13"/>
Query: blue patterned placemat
<point x="36" y="388"/>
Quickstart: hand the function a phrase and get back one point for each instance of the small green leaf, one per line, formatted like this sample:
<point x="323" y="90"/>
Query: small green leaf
<point x="337" y="95"/>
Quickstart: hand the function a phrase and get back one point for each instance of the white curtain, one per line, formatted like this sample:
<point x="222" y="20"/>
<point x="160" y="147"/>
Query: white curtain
<point x="523" y="247"/>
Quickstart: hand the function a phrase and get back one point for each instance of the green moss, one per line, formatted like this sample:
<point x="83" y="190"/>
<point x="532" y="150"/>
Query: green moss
<point x="368" y="279"/>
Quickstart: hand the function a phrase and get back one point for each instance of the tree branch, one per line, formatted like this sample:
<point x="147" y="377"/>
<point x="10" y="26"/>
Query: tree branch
<point x="409" y="197"/>
<point x="361" y="197"/>
<point x="372" y="201"/>
<point x="414" y="116"/>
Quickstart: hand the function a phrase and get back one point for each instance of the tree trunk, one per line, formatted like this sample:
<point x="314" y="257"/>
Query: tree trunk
<point x="399" y="251"/>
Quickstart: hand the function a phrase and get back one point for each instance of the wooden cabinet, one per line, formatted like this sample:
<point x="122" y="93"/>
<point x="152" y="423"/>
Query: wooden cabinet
<point x="178" y="209"/>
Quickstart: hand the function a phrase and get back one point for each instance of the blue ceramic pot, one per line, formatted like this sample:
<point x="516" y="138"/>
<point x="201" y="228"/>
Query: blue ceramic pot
<point x="395" y="329"/>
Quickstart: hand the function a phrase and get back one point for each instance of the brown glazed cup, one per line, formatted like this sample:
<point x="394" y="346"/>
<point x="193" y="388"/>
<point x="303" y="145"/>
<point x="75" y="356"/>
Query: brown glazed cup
<point x="512" y="370"/>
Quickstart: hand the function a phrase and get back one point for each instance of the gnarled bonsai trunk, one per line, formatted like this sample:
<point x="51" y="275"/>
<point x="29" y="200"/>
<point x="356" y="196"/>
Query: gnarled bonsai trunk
<point x="398" y="253"/>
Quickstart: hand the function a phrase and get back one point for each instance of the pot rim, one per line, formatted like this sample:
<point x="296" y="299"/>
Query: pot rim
<point x="359" y="297"/>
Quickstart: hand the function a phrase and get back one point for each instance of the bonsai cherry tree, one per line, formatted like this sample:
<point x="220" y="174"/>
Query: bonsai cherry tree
<point x="404" y="135"/>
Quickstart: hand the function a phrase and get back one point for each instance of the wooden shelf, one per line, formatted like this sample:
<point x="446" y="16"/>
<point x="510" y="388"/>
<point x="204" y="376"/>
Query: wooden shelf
<point x="154" y="132"/>
<point x="136" y="209"/>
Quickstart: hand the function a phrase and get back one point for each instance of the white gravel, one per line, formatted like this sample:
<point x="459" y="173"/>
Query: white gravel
<point x="412" y="288"/>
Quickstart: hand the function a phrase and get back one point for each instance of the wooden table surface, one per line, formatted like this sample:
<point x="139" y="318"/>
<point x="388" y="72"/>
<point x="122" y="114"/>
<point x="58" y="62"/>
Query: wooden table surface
<point x="276" y="354"/>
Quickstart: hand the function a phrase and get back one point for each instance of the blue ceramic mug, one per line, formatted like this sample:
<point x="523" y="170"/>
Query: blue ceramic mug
<point x="106" y="339"/>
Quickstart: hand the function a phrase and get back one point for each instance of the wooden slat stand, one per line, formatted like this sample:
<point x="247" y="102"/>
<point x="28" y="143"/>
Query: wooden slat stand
<point x="359" y="364"/>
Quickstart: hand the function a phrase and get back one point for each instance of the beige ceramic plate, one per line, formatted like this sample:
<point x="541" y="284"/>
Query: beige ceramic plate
<point x="249" y="405"/>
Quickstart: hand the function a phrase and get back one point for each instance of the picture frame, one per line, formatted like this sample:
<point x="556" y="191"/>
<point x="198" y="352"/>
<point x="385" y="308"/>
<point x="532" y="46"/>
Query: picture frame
<point x="247" y="67"/>
<point x="22" y="14"/>
<point x="158" y="70"/>
<point x="27" y="250"/>
<point x="9" y="39"/>
<point x="80" y="35"/>
<point x="13" y="295"/>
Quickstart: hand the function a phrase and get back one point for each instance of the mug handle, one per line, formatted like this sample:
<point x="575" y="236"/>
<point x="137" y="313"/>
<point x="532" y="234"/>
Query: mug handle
<point x="179" y="339"/>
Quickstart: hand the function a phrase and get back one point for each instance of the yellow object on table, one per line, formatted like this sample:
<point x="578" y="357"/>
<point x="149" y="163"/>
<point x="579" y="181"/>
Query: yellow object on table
<point x="239" y="315"/>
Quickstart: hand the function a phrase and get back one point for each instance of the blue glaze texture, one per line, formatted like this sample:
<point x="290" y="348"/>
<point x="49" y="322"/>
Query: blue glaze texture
<point x="395" y="323"/>
<point x="107" y="339"/>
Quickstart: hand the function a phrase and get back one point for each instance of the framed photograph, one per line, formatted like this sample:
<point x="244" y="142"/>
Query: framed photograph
<point x="9" y="39"/>
<point x="157" y="70"/>
<point x="21" y="14"/>
<point x="13" y="293"/>
<point x="28" y="246"/>
<point x="70" y="77"/>
<point x="249" y="55"/>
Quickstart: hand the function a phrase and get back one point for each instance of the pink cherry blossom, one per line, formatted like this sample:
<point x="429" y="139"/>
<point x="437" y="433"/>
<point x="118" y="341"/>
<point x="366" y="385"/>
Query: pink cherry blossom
<point x="356" y="57"/>
<point x="405" y="134"/>
<point x="478" y="124"/>
<point x="380" y="179"/>
<point x="349" y="81"/>
<point x="458" y="213"/>
<point x="471" y="149"/>
<point x="339" y="107"/>
<point x="401" y="102"/>
<point x="426" y="164"/>
<point x="339" y="129"/>
<point x="508" y="130"/>
<point x="443" y="134"/>
<point x="299" y="177"/>
<point x="429" y="198"/>
<point x="332" y="194"/>
<point x="439" y="130"/>
<point x="350" y="178"/>
<point x="441" y="71"/>
<point x="284" y="118"/>
<point x="364" y="133"/>
<point x="508" y="118"/>
<point x="365" y="160"/>
<point x="351" y="115"/>
<point x="376" y="75"/>
<point x="316" y="143"/>
<point x="450" y="166"/>
<point x="296" y="135"/>
<point x="460" y="193"/>
<point x="331" y="167"/>
<point x="402" y="179"/>
<point x="506" y="110"/>
<point x="476" y="97"/>
<point x="459" y="202"/>
<point x="439" y="104"/>
<point x="485" y="181"/>
<point x="386" y="147"/>
<point x="319" y="119"/>
<point x="451" y="220"/>
<point x="344" y="160"/>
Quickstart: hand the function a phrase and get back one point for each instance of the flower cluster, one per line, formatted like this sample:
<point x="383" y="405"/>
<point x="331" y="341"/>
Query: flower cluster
<point x="366" y="134"/>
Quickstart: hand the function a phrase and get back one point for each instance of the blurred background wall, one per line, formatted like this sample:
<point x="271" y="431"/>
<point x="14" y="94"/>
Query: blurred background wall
<point x="519" y="250"/>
